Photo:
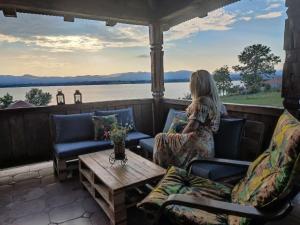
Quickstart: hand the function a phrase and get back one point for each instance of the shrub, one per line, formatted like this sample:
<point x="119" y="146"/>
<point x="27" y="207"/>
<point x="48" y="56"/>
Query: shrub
<point x="37" y="97"/>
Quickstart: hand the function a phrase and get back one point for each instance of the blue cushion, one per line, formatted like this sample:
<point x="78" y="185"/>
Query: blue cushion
<point x="172" y="113"/>
<point x="73" y="127"/>
<point x="65" y="150"/>
<point x="124" y="116"/>
<point x="147" y="144"/>
<point x="134" y="137"/>
<point x="216" y="171"/>
<point x="228" y="138"/>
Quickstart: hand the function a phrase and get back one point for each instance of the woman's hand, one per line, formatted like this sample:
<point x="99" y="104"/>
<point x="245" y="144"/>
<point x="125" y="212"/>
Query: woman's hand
<point x="192" y="126"/>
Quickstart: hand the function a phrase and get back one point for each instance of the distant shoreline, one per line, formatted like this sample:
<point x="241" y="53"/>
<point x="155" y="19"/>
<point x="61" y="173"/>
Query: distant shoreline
<point x="88" y="83"/>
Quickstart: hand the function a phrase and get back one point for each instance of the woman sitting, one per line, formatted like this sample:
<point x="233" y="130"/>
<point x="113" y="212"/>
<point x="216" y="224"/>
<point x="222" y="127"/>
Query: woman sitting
<point x="196" y="140"/>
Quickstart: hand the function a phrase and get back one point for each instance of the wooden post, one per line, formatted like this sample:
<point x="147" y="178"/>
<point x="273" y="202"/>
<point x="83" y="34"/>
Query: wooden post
<point x="157" y="72"/>
<point x="291" y="70"/>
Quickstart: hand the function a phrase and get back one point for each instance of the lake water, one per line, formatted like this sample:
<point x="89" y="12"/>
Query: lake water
<point x="94" y="93"/>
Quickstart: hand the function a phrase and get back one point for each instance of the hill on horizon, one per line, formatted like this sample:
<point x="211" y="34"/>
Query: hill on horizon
<point x="129" y="77"/>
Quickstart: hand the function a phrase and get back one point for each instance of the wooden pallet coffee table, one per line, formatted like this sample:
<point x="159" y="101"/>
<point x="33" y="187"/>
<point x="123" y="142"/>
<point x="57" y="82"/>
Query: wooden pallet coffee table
<point x="116" y="188"/>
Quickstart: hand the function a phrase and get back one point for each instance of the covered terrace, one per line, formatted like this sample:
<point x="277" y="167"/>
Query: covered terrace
<point x="31" y="194"/>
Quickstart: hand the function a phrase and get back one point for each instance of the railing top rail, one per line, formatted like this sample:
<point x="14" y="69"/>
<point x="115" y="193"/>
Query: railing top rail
<point x="78" y="106"/>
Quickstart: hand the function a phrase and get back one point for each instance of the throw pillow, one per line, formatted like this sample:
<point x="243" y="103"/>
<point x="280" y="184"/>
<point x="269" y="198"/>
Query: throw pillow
<point x="103" y="125"/>
<point x="177" y="125"/>
<point x="125" y="117"/>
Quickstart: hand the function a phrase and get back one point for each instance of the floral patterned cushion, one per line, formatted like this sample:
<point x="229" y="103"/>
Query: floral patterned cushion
<point x="178" y="124"/>
<point x="270" y="176"/>
<point x="103" y="125"/>
<point x="177" y="181"/>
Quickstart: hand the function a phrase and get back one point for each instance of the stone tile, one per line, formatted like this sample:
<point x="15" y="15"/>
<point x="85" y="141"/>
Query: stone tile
<point x="59" y="200"/>
<point x="62" y="188"/>
<point x="66" y="213"/>
<point x="14" y="171"/>
<point x="46" y="171"/>
<point x="26" y="176"/>
<point x="39" y="166"/>
<point x="5" y="218"/>
<point x="5" y="199"/>
<point x="5" y="180"/>
<point x="51" y="179"/>
<point x="24" y="186"/>
<point x="90" y="205"/>
<point x="34" y="219"/>
<point x="99" y="218"/>
<point x="19" y="209"/>
<point x="6" y="188"/>
<point x="29" y="194"/>
<point x="79" y="221"/>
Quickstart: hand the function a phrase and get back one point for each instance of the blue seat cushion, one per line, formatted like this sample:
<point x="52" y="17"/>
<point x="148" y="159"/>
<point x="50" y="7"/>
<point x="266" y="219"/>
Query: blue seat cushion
<point x="65" y="150"/>
<point x="73" y="127"/>
<point x="228" y="138"/>
<point x="147" y="144"/>
<point x="216" y="171"/>
<point x="124" y="116"/>
<point x="134" y="137"/>
<point x="172" y="113"/>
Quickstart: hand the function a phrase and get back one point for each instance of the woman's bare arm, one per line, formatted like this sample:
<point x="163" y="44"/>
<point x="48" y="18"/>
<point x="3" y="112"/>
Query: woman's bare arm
<point x="192" y="126"/>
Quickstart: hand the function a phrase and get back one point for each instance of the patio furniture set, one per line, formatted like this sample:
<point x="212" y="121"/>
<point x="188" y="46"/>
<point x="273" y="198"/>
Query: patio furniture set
<point x="223" y="190"/>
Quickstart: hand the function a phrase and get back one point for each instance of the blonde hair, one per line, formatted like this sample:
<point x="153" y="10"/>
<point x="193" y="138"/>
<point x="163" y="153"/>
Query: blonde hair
<point x="204" y="92"/>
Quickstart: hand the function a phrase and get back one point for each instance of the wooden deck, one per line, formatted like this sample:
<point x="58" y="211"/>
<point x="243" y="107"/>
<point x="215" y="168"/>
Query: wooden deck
<point x="31" y="195"/>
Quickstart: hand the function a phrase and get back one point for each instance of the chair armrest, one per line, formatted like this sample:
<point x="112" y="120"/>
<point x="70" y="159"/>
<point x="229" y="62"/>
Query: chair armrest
<point x="228" y="162"/>
<point x="215" y="206"/>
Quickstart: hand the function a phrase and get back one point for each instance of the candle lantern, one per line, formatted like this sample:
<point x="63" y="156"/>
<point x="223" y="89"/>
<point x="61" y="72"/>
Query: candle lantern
<point x="60" y="97"/>
<point x="77" y="97"/>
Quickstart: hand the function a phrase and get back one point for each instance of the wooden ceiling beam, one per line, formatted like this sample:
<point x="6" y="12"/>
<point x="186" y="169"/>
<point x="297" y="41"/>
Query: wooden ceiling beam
<point x="129" y="11"/>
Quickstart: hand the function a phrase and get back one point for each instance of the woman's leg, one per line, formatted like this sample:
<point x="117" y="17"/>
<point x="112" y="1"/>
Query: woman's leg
<point x="168" y="149"/>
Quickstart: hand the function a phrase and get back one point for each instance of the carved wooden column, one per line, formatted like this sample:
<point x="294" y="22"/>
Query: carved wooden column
<point x="291" y="70"/>
<point x="157" y="72"/>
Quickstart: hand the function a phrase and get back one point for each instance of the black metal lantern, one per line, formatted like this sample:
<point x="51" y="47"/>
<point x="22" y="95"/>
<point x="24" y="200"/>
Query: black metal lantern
<point x="60" y="97"/>
<point x="77" y="97"/>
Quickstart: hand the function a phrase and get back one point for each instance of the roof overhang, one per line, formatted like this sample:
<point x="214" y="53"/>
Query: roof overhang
<point x="141" y="12"/>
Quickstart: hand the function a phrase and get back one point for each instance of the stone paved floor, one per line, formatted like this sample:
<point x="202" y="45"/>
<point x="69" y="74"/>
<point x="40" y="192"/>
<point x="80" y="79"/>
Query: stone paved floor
<point x="31" y="195"/>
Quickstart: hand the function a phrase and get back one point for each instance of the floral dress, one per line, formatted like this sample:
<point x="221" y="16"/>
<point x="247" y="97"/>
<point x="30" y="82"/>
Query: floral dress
<point x="179" y="149"/>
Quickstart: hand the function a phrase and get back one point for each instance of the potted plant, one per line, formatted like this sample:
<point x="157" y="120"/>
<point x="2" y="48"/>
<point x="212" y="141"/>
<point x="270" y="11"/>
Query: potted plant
<point x="117" y="136"/>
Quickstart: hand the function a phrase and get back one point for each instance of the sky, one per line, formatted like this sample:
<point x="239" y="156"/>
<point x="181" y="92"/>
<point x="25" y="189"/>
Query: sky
<point x="48" y="46"/>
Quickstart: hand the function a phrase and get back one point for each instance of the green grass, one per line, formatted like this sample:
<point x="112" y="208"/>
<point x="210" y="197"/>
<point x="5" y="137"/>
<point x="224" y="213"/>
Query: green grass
<point x="262" y="98"/>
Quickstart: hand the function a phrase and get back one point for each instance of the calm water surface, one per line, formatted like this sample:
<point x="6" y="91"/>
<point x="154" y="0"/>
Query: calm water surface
<point x="94" y="93"/>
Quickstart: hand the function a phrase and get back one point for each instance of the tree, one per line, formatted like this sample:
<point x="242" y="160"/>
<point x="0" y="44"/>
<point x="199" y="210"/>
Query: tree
<point x="37" y="97"/>
<point x="222" y="79"/>
<point x="6" y="100"/>
<point x="187" y="96"/>
<point x="258" y="63"/>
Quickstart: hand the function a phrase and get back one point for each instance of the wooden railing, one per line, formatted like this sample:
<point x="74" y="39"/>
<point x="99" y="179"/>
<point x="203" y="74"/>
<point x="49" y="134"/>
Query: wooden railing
<point x="264" y="114"/>
<point x="25" y="133"/>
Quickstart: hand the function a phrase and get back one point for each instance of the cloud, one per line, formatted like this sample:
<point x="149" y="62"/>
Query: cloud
<point x="53" y="35"/>
<point x="143" y="56"/>
<point x="270" y="15"/>
<point x="218" y="20"/>
<point x="273" y="6"/>
<point x="92" y="36"/>
<point x="246" y="18"/>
